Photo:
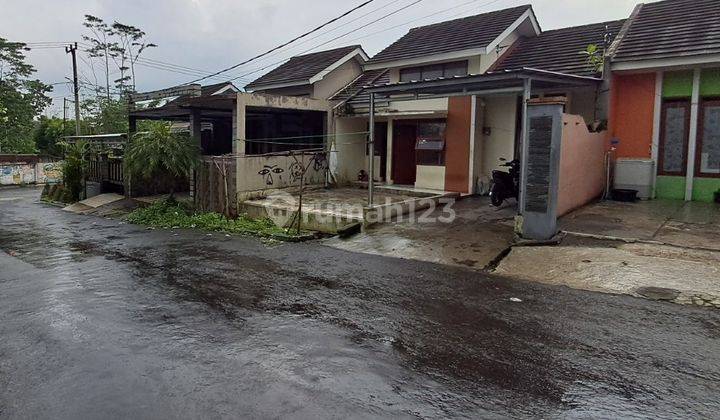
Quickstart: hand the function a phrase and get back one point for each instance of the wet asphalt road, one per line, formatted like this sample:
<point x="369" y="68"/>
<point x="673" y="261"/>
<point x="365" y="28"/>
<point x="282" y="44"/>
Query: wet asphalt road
<point x="105" y="320"/>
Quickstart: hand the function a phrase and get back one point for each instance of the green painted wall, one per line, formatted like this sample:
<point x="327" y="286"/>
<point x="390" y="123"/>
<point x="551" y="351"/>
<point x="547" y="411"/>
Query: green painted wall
<point x="710" y="82"/>
<point x="670" y="187"/>
<point x="704" y="189"/>
<point x="677" y="84"/>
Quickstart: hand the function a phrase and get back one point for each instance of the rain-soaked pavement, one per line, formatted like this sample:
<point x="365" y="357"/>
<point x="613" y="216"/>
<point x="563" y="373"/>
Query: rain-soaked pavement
<point x="106" y="320"/>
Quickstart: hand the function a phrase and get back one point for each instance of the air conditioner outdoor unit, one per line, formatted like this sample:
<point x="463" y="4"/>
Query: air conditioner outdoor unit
<point x="635" y="174"/>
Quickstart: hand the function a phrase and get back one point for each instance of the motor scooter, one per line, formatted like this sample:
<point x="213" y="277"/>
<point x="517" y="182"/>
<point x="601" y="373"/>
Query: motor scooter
<point x="505" y="184"/>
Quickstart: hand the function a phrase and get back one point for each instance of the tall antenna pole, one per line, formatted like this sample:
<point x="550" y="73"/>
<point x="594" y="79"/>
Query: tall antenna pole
<point x="70" y="49"/>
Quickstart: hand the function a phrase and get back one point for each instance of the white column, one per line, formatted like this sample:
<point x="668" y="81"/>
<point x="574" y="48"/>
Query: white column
<point x="473" y="126"/>
<point x="692" y="143"/>
<point x="657" y="113"/>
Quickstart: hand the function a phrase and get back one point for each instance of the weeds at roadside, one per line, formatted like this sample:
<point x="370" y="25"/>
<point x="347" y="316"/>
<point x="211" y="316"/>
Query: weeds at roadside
<point x="171" y="214"/>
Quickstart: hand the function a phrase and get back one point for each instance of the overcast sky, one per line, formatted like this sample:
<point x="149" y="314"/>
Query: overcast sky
<point x="209" y="35"/>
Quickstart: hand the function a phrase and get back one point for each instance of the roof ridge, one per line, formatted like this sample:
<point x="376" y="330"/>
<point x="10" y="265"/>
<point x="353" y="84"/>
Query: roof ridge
<point x="584" y="25"/>
<point x="330" y="50"/>
<point x="524" y="6"/>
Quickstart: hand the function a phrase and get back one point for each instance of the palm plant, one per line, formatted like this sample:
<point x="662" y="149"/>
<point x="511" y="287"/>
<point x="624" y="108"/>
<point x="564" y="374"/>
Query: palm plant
<point x="158" y="151"/>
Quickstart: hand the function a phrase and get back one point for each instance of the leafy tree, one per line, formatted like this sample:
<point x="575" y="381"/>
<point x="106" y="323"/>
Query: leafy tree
<point x="49" y="133"/>
<point x="120" y="43"/>
<point x="102" y="116"/>
<point x="159" y="150"/>
<point x="21" y="99"/>
<point x="131" y="44"/>
<point x="101" y="45"/>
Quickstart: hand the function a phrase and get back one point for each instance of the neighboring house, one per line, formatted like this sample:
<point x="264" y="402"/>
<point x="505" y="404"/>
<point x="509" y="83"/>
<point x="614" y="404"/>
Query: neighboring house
<point x="666" y="95"/>
<point x="318" y="75"/>
<point x="475" y="131"/>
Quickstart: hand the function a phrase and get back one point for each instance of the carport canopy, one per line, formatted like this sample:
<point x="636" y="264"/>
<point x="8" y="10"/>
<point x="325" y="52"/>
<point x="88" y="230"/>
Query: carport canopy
<point x="520" y="81"/>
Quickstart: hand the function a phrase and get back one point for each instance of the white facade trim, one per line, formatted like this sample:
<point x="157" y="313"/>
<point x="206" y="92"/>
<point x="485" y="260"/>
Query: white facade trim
<point x="657" y="113"/>
<point x="428" y="59"/>
<point x="692" y="146"/>
<point x="229" y="87"/>
<point x="317" y="77"/>
<point x="708" y="60"/>
<point x="340" y="62"/>
<point x="510" y="29"/>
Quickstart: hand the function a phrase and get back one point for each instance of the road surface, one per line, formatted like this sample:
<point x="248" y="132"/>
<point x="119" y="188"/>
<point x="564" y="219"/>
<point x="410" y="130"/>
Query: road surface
<point x="102" y="319"/>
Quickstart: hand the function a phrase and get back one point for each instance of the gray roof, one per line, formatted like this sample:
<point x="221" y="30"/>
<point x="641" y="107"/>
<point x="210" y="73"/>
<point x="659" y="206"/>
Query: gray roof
<point x="559" y="50"/>
<point x="367" y="78"/>
<point x="302" y="67"/>
<point x="453" y="35"/>
<point x="672" y="28"/>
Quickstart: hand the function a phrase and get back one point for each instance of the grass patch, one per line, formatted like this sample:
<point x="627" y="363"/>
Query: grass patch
<point x="171" y="214"/>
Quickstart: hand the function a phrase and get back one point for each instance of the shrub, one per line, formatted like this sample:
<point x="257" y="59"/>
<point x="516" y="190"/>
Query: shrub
<point x="159" y="150"/>
<point x="73" y="170"/>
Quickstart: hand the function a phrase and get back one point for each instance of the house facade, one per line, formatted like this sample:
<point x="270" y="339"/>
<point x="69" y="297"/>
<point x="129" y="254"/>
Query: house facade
<point x="665" y="101"/>
<point x="454" y="143"/>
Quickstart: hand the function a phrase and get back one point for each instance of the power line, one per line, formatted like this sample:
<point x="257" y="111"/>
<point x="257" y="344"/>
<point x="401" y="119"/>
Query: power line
<point x="277" y="53"/>
<point x="337" y="37"/>
<point x="390" y="28"/>
<point x="365" y="3"/>
<point x="427" y="16"/>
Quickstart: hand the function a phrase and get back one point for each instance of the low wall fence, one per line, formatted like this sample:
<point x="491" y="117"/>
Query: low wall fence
<point x="260" y="174"/>
<point x="29" y="170"/>
<point x="221" y="182"/>
<point x="582" y="164"/>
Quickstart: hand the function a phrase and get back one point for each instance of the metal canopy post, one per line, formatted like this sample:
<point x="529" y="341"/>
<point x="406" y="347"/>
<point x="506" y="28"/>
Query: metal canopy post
<point x="371" y="142"/>
<point x="527" y="88"/>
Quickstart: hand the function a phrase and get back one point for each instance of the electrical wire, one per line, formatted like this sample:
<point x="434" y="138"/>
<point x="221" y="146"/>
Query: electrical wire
<point x="338" y="37"/>
<point x="278" y="53"/>
<point x="434" y="14"/>
<point x="388" y="29"/>
<point x="365" y="3"/>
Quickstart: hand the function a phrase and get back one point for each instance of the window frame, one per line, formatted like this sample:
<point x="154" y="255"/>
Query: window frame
<point x="422" y="68"/>
<point x="425" y="156"/>
<point x="714" y="101"/>
<point x="678" y="103"/>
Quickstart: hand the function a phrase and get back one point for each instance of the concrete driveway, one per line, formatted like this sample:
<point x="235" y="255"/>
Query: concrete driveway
<point x="474" y="238"/>
<point x="665" y="250"/>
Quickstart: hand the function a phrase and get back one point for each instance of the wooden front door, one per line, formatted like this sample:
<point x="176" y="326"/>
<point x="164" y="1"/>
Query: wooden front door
<point x="403" y="155"/>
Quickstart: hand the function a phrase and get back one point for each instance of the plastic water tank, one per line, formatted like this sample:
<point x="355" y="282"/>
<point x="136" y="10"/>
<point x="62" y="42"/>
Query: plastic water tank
<point x="635" y="174"/>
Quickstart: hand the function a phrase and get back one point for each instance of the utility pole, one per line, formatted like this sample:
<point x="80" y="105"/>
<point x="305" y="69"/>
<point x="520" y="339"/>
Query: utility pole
<point x="71" y="49"/>
<point x="64" y="114"/>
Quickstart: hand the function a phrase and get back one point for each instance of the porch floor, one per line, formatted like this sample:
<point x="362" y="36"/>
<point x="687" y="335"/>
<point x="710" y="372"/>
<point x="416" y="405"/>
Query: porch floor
<point x="325" y="210"/>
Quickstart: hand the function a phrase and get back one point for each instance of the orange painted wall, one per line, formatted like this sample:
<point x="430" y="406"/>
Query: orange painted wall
<point x="582" y="164"/>
<point x="631" y="114"/>
<point x="457" y="144"/>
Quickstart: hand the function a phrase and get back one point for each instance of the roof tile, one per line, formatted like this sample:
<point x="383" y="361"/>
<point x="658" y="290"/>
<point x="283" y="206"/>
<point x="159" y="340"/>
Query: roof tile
<point x="672" y="28"/>
<point x="559" y="50"/>
<point x="453" y="35"/>
<point x="302" y="67"/>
